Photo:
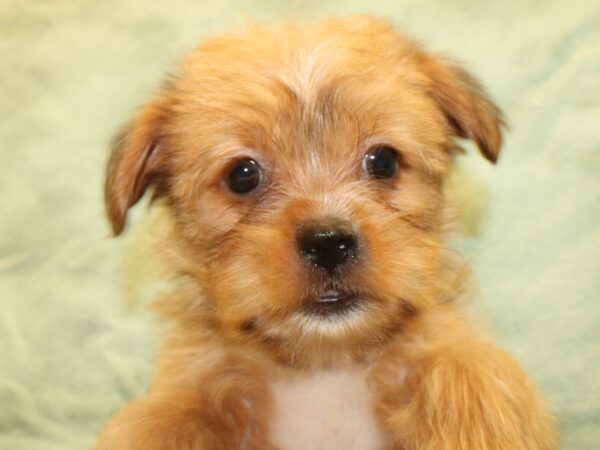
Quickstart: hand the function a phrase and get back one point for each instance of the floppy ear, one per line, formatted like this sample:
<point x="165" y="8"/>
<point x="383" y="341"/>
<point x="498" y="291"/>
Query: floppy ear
<point x="137" y="160"/>
<point x="467" y="107"/>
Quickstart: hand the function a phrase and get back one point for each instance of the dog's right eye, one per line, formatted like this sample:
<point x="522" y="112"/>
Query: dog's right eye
<point x="244" y="176"/>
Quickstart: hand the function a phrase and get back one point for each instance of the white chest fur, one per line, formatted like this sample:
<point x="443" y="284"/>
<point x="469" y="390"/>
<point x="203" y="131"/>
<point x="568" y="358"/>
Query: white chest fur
<point x="326" y="410"/>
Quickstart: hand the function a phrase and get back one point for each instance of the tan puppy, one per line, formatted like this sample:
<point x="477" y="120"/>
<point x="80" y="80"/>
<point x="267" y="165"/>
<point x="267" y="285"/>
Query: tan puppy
<point x="303" y="168"/>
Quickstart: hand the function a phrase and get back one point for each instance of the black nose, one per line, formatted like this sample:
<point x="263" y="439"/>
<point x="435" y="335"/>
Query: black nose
<point x="327" y="245"/>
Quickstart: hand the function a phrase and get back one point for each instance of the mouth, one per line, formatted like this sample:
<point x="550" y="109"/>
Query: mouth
<point x="332" y="303"/>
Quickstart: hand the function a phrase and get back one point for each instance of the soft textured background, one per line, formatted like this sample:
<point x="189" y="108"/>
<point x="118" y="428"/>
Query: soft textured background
<point x="76" y="339"/>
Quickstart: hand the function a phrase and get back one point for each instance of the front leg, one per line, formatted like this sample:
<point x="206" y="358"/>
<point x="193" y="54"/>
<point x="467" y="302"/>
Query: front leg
<point x="193" y="406"/>
<point x="168" y="421"/>
<point x="449" y="390"/>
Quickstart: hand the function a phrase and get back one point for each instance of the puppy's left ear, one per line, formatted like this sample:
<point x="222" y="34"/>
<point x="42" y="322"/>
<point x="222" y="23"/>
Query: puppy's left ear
<point x="137" y="161"/>
<point x="469" y="111"/>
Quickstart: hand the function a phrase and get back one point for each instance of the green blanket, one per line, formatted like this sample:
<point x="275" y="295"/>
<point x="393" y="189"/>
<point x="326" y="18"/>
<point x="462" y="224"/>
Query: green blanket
<point x="76" y="338"/>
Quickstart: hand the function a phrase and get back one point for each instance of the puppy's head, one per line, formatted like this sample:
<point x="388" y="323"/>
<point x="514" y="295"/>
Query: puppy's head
<point x="303" y="167"/>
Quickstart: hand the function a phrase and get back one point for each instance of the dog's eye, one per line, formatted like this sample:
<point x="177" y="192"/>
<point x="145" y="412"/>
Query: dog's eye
<point x="244" y="176"/>
<point x="381" y="162"/>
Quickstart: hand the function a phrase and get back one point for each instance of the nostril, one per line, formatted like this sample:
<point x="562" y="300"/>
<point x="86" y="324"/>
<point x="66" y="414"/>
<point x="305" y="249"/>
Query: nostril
<point x="346" y="244"/>
<point x="312" y="251"/>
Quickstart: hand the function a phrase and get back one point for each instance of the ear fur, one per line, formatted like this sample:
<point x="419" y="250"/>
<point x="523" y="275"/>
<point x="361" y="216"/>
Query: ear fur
<point x="467" y="107"/>
<point x="137" y="160"/>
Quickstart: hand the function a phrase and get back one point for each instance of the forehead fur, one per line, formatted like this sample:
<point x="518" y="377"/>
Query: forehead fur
<point x="291" y="89"/>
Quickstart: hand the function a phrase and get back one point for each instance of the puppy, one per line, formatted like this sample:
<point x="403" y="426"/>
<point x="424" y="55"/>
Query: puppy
<point x="303" y="168"/>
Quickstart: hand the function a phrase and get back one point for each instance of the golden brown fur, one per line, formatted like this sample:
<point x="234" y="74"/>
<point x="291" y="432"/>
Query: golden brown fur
<point x="307" y="102"/>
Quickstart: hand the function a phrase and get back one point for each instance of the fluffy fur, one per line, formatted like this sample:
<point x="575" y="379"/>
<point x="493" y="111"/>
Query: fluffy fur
<point x="307" y="103"/>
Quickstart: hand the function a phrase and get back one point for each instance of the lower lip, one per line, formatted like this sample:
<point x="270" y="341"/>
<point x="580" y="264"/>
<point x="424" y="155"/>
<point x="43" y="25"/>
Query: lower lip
<point x="332" y="304"/>
<point x="331" y="297"/>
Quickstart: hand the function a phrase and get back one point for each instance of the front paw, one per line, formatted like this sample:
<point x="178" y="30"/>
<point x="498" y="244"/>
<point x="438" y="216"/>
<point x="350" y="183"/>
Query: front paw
<point x="476" y="400"/>
<point x="181" y="421"/>
<point x="149" y="425"/>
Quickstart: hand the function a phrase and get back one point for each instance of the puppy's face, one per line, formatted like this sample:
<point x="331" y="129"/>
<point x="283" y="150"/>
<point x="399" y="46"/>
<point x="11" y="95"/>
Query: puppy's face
<point x="303" y="167"/>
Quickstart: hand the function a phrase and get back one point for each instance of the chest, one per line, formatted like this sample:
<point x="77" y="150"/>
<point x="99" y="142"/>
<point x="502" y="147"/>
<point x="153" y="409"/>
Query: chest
<point x="326" y="410"/>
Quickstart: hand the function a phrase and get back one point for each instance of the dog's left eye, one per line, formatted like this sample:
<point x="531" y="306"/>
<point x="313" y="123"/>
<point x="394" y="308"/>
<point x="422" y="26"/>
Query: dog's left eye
<point x="244" y="176"/>
<point x="381" y="162"/>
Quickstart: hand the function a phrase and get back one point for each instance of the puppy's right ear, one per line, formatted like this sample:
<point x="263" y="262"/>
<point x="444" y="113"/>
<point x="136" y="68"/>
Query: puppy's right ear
<point x="137" y="161"/>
